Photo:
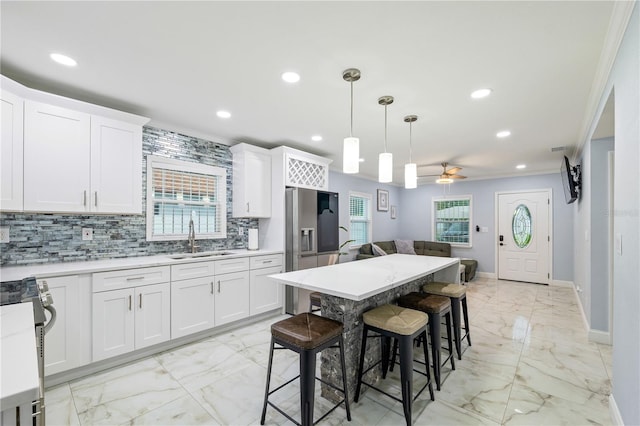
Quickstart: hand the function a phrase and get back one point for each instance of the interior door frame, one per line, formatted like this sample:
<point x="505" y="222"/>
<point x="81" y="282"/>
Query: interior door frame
<point x="549" y="192"/>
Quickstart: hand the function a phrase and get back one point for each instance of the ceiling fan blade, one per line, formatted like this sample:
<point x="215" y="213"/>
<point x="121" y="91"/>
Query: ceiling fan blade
<point x="457" y="177"/>
<point x="453" y="170"/>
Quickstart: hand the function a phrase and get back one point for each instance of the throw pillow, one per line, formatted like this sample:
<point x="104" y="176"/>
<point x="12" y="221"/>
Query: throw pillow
<point x="377" y="251"/>
<point x="404" y="246"/>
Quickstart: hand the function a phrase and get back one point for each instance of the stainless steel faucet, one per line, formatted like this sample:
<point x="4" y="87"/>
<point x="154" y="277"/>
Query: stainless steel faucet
<point x="192" y="237"/>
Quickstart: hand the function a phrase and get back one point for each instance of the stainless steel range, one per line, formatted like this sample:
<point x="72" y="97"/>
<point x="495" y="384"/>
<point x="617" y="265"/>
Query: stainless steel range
<point x="27" y="290"/>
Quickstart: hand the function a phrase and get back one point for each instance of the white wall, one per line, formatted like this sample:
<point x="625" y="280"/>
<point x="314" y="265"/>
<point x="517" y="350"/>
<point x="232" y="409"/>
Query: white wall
<point x="625" y="81"/>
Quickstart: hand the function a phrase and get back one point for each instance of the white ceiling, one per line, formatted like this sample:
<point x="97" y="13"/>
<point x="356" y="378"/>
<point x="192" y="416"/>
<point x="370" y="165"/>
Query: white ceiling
<point x="179" y="62"/>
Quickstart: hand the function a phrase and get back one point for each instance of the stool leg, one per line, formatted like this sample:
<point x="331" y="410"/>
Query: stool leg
<point x="406" y="375"/>
<point x="466" y="318"/>
<point x="447" y="318"/>
<point x="363" y="348"/>
<point x="426" y="361"/>
<point x="307" y="385"/>
<point x="344" y="379"/>
<point x="395" y="353"/>
<point x="266" y="391"/>
<point x="436" y="344"/>
<point x="385" y="347"/>
<point x="455" y="313"/>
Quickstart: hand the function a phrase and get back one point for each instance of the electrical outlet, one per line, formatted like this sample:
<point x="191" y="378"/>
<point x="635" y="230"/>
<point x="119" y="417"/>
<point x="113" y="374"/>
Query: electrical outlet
<point x="4" y="234"/>
<point x="87" y="234"/>
<point x="240" y="231"/>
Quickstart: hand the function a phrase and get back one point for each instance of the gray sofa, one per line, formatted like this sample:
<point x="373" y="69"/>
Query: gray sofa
<point x="424" y="248"/>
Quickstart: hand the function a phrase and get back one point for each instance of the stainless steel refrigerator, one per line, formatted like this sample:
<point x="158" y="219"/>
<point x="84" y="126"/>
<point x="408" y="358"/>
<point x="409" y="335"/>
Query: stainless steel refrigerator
<point x="311" y="237"/>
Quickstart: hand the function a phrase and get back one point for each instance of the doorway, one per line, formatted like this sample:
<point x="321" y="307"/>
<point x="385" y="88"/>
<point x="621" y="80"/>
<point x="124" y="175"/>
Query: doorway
<point x="524" y="238"/>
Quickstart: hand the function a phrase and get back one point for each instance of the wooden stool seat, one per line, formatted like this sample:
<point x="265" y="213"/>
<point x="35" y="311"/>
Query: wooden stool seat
<point x="306" y="331"/>
<point x="395" y="319"/>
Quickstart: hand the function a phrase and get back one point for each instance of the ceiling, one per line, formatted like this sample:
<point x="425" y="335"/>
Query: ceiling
<point x="179" y="62"/>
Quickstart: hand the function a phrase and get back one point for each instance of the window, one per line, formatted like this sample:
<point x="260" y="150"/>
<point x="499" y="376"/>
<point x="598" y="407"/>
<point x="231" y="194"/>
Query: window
<point x="359" y="218"/>
<point x="452" y="220"/>
<point x="180" y="191"/>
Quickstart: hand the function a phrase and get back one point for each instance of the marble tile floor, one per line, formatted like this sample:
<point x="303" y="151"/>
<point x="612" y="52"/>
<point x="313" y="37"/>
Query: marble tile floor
<point x="530" y="364"/>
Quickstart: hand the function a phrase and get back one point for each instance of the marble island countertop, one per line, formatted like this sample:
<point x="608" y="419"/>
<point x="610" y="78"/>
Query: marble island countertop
<point x="19" y="382"/>
<point x="358" y="280"/>
<point x="11" y="273"/>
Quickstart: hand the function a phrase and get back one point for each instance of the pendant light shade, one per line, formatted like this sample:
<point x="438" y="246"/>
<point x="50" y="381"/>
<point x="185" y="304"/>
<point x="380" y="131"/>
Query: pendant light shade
<point x="385" y="160"/>
<point x="351" y="147"/>
<point x="410" y="169"/>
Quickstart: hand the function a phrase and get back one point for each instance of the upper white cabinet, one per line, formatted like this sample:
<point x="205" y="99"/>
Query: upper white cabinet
<point x="11" y="151"/>
<point x="251" y="181"/>
<point x="73" y="157"/>
<point x="304" y="170"/>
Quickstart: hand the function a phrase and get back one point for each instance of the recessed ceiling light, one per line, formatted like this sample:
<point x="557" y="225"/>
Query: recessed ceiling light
<point x="480" y="93"/>
<point x="223" y="114"/>
<point x="361" y="160"/>
<point x="316" y="138"/>
<point x="291" y="77"/>
<point x="521" y="166"/>
<point x="63" y="59"/>
<point x="503" y="134"/>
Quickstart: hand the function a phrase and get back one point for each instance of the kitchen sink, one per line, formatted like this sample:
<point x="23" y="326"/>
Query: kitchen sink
<point x="199" y="255"/>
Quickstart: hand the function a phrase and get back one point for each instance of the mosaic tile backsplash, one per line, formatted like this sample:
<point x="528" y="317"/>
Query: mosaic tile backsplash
<point x="49" y="238"/>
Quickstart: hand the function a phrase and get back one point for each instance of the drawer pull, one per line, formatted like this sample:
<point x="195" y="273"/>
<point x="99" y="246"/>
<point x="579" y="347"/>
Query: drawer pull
<point x="266" y="261"/>
<point x="134" y="278"/>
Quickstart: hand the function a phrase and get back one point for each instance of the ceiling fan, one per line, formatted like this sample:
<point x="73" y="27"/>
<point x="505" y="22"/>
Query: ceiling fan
<point x="447" y="176"/>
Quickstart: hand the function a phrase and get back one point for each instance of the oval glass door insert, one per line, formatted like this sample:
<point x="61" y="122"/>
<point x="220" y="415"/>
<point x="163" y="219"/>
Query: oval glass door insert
<point x="521" y="226"/>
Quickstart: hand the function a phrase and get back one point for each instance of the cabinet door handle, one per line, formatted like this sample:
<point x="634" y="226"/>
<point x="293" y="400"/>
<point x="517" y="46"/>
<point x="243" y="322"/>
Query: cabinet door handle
<point x="96" y="199"/>
<point x="211" y="287"/>
<point x="140" y="301"/>
<point x="247" y="207"/>
<point x="84" y="202"/>
<point x="129" y="302"/>
<point x="218" y="286"/>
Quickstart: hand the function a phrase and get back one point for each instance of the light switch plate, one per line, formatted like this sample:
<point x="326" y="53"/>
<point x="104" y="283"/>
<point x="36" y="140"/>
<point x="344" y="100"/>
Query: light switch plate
<point x="4" y="234"/>
<point x="87" y="234"/>
<point x="618" y="243"/>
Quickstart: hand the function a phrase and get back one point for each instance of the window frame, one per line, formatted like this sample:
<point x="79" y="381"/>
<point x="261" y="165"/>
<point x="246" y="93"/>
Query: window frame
<point x="154" y="161"/>
<point x="435" y="200"/>
<point x="369" y="197"/>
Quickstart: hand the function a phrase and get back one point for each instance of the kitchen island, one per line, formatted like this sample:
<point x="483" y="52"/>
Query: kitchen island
<point x="351" y="288"/>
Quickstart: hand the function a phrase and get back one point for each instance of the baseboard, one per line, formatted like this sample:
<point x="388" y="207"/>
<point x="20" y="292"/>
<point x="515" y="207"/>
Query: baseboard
<point x="598" y="336"/>
<point x="561" y="283"/>
<point x="585" y="322"/>
<point x="614" y="413"/>
<point x="486" y="275"/>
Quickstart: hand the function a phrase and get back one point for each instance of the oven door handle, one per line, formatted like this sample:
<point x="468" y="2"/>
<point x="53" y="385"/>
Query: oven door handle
<point x="52" y="320"/>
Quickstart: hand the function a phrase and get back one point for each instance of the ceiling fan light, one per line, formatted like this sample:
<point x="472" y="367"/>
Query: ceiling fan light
<point x="351" y="155"/>
<point x="444" y="180"/>
<point x="410" y="175"/>
<point x="385" y="167"/>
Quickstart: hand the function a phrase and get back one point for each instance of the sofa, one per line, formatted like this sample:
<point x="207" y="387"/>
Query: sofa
<point x="424" y="248"/>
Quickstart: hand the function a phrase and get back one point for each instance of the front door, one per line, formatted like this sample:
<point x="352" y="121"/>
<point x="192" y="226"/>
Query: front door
<point x="524" y="237"/>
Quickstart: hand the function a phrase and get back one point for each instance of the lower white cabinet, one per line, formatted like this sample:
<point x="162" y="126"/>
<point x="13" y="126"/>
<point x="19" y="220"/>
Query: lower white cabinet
<point x="192" y="305"/>
<point x="231" y="297"/>
<point x="68" y="342"/>
<point x="265" y="294"/>
<point x="130" y="318"/>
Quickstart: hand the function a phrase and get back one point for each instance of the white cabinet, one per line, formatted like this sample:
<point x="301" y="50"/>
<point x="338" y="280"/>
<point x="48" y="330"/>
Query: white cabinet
<point x="131" y="316"/>
<point x="192" y="298"/>
<point x="265" y="295"/>
<point x="251" y="181"/>
<point x="76" y="162"/>
<point x="68" y="342"/>
<point x="116" y="166"/>
<point x="11" y="145"/>
<point x="232" y="297"/>
<point x="56" y="159"/>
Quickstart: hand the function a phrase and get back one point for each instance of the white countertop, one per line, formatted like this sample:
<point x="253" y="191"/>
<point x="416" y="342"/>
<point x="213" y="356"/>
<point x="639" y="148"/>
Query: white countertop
<point x="18" y="362"/>
<point x="11" y="273"/>
<point x="358" y="280"/>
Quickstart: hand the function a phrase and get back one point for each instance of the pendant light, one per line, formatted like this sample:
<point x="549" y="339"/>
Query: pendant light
<point x="410" y="169"/>
<point x="351" y="147"/>
<point x="385" y="159"/>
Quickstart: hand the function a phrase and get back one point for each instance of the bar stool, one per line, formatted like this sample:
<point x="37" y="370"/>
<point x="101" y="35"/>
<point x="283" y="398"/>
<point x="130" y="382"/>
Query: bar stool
<point x="307" y="334"/>
<point x="435" y="307"/>
<point x="391" y="321"/>
<point x="458" y="295"/>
